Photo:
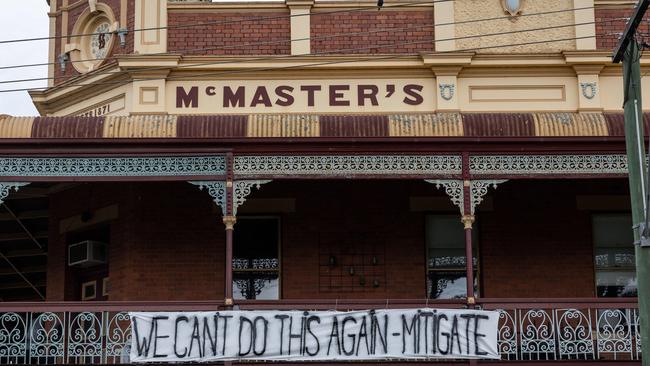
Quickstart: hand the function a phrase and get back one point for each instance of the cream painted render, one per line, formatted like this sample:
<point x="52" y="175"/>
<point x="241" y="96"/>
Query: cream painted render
<point x="560" y="76"/>
<point x="300" y="11"/>
<point x="512" y="31"/>
<point x="151" y="15"/>
<point x="472" y="83"/>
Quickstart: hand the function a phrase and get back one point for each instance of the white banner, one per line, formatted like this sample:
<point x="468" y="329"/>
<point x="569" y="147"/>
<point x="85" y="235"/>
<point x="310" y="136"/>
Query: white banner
<point x="314" y="336"/>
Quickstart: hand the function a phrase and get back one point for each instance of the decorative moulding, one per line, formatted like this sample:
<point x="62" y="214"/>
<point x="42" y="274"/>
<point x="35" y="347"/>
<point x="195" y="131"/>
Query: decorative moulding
<point x="98" y="25"/>
<point x="589" y="90"/>
<point x="447" y="91"/>
<point x="512" y="7"/>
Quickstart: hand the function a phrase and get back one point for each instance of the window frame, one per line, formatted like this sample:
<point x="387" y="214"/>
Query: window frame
<point x="475" y="246"/>
<point x="278" y="219"/>
<point x="105" y="286"/>
<point x="596" y="269"/>
<point x="86" y="285"/>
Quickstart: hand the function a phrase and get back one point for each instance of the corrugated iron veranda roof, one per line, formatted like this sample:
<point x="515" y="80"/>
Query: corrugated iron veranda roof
<point x="315" y="126"/>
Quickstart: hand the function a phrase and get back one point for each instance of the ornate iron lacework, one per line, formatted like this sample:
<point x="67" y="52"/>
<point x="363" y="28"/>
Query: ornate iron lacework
<point x="6" y="187"/>
<point x="242" y="190"/>
<point x="113" y="167"/>
<point x="338" y="165"/>
<point x="250" y="288"/>
<point x="479" y="189"/>
<point x="547" y="164"/>
<point x="453" y="188"/>
<point x="258" y="263"/>
<point x="85" y="332"/>
<point x="551" y="333"/>
<point x="216" y="190"/>
<point x="449" y="261"/>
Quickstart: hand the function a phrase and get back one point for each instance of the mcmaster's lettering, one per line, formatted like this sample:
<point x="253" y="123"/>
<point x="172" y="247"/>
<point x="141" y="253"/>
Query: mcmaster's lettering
<point x="231" y="99"/>
<point x="185" y="99"/>
<point x="336" y="95"/>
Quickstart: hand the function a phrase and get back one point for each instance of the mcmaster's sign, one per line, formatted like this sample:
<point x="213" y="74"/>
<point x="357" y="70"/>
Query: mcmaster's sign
<point x="302" y="96"/>
<point x="311" y="336"/>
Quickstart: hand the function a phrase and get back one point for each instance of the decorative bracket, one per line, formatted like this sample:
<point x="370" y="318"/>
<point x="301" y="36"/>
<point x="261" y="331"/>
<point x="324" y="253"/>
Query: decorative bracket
<point x="455" y="191"/>
<point x="6" y="187"/>
<point x="242" y="190"/>
<point x="479" y="188"/>
<point x="589" y="90"/>
<point x="217" y="190"/>
<point x="453" y="188"/>
<point x="447" y="91"/>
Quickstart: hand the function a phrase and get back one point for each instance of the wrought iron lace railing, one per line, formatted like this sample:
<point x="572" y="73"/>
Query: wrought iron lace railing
<point x="97" y="334"/>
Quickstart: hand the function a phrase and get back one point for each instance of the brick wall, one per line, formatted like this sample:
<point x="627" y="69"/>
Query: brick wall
<point x="418" y="37"/>
<point x="266" y="33"/>
<point x="536" y="243"/>
<point x="165" y="245"/>
<point x="320" y="219"/>
<point x="168" y="242"/>
<point x="176" y="249"/>
<point x="61" y="284"/>
<point x="73" y="15"/>
<point x="610" y="23"/>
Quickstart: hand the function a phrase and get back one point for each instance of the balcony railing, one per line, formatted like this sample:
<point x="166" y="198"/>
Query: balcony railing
<point x="540" y="330"/>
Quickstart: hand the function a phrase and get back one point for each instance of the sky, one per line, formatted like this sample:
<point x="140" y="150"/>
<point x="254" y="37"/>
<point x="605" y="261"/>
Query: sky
<point x="22" y="19"/>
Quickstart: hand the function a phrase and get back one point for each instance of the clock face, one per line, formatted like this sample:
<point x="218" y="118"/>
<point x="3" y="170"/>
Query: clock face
<point x="100" y="41"/>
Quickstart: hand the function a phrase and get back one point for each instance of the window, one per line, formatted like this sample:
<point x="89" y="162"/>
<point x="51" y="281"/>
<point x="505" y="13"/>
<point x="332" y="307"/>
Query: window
<point x="89" y="290"/>
<point x="446" y="274"/>
<point x="256" y="260"/>
<point x="614" y="255"/>
<point x="105" y="287"/>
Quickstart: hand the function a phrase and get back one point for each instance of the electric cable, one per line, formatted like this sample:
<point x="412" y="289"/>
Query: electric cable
<point x="181" y="77"/>
<point x="306" y="54"/>
<point x="254" y="19"/>
<point x="267" y="58"/>
<point x="470" y="21"/>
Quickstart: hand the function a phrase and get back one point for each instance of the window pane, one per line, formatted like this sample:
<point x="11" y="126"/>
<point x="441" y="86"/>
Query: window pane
<point x="445" y="236"/>
<point x="614" y="255"/>
<point x="256" y="238"/>
<point x="616" y="283"/>
<point x="612" y="230"/>
<point x="448" y="285"/>
<point x="256" y="262"/>
<point x="445" y="231"/>
<point x="256" y="285"/>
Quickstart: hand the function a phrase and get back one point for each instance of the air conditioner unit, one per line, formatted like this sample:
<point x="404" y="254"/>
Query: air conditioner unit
<point x="87" y="253"/>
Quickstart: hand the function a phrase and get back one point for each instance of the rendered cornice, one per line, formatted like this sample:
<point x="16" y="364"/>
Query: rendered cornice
<point x="588" y="57"/>
<point x="234" y="5"/>
<point x="134" y="61"/>
<point x="304" y="62"/>
<point x="615" y="3"/>
<point x="371" y="4"/>
<point x="299" y="3"/>
<point x="80" y="88"/>
<point x="447" y="58"/>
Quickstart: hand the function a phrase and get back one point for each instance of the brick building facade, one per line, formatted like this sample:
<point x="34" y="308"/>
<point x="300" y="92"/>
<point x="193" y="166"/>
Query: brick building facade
<point x="323" y="155"/>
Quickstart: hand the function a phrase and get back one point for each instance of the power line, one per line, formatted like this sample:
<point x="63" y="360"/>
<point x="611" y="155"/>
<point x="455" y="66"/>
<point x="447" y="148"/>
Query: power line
<point x="308" y="54"/>
<point x="254" y="19"/>
<point x="314" y="38"/>
<point x="311" y="65"/>
<point x="312" y="54"/>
